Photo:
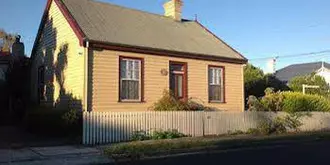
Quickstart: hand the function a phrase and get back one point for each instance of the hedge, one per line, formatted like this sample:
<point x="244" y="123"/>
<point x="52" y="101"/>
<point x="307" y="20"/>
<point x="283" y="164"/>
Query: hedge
<point x="298" y="102"/>
<point x="289" y="102"/>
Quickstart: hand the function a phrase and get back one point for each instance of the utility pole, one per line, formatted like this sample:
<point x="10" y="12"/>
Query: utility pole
<point x="271" y="64"/>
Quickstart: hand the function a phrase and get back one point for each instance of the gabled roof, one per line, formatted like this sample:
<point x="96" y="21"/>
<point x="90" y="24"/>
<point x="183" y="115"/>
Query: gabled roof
<point x="105" y="23"/>
<point x="285" y="74"/>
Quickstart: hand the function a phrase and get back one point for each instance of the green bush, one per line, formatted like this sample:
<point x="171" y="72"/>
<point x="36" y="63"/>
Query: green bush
<point x="140" y="136"/>
<point x="290" y="102"/>
<point x="254" y="104"/>
<point x="278" y="125"/>
<point x="136" y="150"/>
<point x="157" y="135"/>
<point x="170" y="134"/>
<point x="293" y="120"/>
<point x="168" y="102"/>
<point x="71" y="117"/>
<point x="256" y="81"/>
<point x="298" y="102"/>
<point x="296" y="84"/>
<point x="50" y="122"/>
<point x="272" y="101"/>
<point x="236" y="132"/>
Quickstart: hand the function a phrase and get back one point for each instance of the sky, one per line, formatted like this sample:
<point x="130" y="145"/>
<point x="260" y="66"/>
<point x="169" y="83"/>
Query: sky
<point x="256" y="28"/>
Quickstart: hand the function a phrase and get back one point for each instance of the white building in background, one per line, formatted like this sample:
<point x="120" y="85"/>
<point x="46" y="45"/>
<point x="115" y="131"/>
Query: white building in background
<point x="324" y="72"/>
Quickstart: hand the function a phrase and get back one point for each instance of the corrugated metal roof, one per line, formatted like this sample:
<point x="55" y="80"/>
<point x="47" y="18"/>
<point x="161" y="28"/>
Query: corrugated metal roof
<point x="287" y="73"/>
<point x="109" y="23"/>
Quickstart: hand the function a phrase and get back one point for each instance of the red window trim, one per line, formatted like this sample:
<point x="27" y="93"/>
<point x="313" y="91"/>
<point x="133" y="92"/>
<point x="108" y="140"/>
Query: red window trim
<point x="142" y="79"/>
<point x="224" y="84"/>
<point x="185" y="77"/>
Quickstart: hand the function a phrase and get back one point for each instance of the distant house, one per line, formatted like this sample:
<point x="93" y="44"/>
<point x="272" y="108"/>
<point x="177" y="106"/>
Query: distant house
<point x="13" y="82"/>
<point x="5" y="60"/>
<point x="111" y="58"/>
<point x="320" y="68"/>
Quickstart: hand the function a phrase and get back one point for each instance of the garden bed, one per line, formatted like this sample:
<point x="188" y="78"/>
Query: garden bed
<point x="153" y="148"/>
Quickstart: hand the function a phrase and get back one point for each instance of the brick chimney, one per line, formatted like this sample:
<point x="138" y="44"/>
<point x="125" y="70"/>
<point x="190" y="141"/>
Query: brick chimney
<point x="173" y="9"/>
<point x="18" y="47"/>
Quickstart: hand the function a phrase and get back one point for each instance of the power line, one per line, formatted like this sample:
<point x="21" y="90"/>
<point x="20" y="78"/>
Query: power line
<point x="292" y="55"/>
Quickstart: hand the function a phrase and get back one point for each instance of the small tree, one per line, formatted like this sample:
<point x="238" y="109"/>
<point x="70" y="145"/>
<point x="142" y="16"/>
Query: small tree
<point x="252" y="73"/>
<point x="296" y="84"/>
<point x="256" y="82"/>
<point x="253" y="81"/>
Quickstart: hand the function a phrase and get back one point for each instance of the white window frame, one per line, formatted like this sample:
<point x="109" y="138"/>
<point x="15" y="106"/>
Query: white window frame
<point x="131" y="78"/>
<point x="217" y="79"/>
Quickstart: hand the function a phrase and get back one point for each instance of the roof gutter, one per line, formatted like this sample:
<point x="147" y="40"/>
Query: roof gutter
<point x="161" y="52"/>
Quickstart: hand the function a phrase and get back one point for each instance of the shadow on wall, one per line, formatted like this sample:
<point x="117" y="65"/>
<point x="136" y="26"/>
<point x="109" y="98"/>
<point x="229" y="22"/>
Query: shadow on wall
<point x="65" y="98"/>
<point x="56" y="70"/>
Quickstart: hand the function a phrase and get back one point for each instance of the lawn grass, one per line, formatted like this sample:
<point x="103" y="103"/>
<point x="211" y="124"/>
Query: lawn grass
<point x="136" y="150"/>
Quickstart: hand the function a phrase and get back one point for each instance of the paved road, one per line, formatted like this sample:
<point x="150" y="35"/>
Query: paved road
<point x="316" y="153"/>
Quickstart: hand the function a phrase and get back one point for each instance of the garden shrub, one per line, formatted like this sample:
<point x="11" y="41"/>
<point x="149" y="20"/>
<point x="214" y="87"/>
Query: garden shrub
<point x="157" y="135"/>
<point x="293" y="120"/>
<point x="279" y="125"/>
<point x="236" y="132"/>
<point x="272" y="101"/>
<point x="298" y="102"/>
<point x="254" y="104"/>
<point x="140" y="136"/>
<point x="71" y="117"/>
<point x="290" y="102"/>
<point x="296" y="84"/>
<point x="170" y="134"/>
<point x="50" y="122"/>
<point x="168" y="102"/>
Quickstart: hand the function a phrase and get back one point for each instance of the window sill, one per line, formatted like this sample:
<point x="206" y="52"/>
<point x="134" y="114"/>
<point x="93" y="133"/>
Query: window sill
<point x="217" y="102"/>
<point x="130" y="101"/>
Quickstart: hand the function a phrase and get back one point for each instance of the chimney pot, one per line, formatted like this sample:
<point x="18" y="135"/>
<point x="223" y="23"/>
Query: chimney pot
<point x="18" y="47"/>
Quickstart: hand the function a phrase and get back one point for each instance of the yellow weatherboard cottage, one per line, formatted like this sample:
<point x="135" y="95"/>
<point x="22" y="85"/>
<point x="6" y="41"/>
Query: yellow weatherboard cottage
<point x="102" y="57"/>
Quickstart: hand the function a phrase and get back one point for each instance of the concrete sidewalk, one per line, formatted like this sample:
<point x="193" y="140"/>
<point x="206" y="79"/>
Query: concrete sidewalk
<point x="53" y="155"/>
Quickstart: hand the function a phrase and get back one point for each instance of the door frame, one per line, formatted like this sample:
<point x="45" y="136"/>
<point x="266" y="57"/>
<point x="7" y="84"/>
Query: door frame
<point x="185" y="78"/>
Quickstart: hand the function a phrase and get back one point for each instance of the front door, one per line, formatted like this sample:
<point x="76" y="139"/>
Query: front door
<point x="178" y="79"/>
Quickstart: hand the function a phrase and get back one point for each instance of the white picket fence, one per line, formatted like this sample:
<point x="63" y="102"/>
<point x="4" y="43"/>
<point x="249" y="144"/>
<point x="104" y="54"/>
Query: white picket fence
<point x="109" y="127"/>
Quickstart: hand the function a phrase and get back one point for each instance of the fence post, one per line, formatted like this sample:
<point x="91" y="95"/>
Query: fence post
<point x="203" y="121"/>
<point x="83" y="128"/>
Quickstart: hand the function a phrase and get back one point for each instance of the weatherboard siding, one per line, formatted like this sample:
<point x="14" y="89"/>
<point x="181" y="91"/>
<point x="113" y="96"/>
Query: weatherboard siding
<point x="104" y="82"/>
<point x="55" y="35"/>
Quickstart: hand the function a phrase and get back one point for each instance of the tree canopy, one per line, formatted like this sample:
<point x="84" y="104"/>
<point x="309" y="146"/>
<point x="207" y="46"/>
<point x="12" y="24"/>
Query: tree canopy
<point x="6" y="40"/>
<point x="296" y="84"/>
<point x="255" y="82"/>
<point x="252" y="74"/>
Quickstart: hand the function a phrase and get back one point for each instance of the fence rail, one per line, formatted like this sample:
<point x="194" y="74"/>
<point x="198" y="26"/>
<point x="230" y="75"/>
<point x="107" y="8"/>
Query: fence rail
<point x="109" y="127"/>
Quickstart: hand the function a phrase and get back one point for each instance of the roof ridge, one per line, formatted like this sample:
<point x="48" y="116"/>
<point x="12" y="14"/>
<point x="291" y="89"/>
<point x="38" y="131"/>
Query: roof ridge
<point x="180" y="36"/>
<point x="318" y="62"/>
<point x="301" y="64"/>
<point x="136" y="10"/>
